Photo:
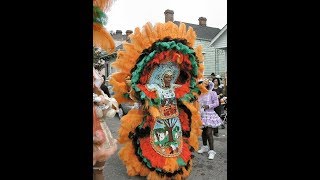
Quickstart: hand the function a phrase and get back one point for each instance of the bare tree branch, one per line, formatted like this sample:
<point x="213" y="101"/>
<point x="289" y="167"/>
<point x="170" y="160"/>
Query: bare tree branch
<point x="173" y="123"/>
<point x="167" y="122"/>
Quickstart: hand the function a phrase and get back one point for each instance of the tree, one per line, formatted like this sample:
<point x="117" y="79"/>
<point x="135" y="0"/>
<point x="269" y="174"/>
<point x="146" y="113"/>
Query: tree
<point x="169" y="126"/>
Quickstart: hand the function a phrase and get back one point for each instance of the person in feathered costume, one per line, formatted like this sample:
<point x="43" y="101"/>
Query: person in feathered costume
<point x="159" y="70"/>
<point x="104" y="107"/>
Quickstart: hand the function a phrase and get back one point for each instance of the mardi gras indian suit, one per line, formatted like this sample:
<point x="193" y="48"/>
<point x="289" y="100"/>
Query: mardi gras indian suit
<point x="159" y="70"/>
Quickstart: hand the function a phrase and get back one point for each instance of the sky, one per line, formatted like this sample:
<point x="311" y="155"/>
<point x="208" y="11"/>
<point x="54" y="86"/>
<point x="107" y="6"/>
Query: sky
<point x="129" y="14"/>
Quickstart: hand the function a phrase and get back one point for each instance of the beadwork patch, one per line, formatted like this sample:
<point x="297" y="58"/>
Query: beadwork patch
<point x="166" y="137"/>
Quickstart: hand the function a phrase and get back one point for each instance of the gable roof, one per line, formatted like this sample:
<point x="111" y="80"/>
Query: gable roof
<point x="218" y="35"/>
<point x="203" y="32"/>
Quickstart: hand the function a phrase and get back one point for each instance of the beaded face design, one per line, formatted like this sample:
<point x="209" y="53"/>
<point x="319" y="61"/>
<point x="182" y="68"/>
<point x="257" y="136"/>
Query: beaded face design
<point x="158" y="74"/>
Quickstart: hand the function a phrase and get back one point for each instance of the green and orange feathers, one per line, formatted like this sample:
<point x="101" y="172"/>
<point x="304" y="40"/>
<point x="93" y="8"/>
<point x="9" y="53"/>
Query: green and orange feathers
<point x="148" y="48"/>
<point x="101" y="37"/>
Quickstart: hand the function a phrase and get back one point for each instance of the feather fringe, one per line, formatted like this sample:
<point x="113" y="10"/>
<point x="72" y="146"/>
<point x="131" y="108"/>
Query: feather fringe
<point x="185" y="154"/>
<point x="184" y="121"/>
<point x="171" y="165"/>
<point x="154" y="112"/>
<point x="196" y="123"/>
<point x="149" y="94"/>
<point x="131" y="161"/>
<point x="104" y="5"/>
<point x="150" y="33"/>
<point x="155" y="159"/>
<point x="122" y="99"/>
<point x="198" y="51"/>
<point x="182" y="31"/>
<point x="154" y="176"/>
<point x="200" y="71"/>
<point x="128" y="124"/>
<point x="182" y="90"/>
<point x="102" y="38"/>
<point x="186" y="173"/>
<point x="120" y="87"/>
<point x="191" y="36"/>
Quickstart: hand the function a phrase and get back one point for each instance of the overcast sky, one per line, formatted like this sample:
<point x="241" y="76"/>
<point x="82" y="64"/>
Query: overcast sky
<point x="128" y="14"/>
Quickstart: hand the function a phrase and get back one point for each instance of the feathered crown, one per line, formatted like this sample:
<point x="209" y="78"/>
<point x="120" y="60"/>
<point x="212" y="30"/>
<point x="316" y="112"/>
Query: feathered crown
<point x="152" y="46"/>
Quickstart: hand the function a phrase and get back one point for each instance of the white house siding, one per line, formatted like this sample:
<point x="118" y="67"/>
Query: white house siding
<point x="220" y="67"/>
<point x="226" y="60"/>
<point x="221" y="42"/>
<point x="208" y="56"/>
<point x="214" y="59"/>
<point x="220" y="46"/>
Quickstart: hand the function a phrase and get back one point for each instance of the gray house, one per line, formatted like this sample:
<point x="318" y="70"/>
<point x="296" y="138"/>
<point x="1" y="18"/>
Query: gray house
<point x="205" y="35"/>
<point x="213" y="57"/>
<point x="119" y="39"/>
<point x="219" y="42"/>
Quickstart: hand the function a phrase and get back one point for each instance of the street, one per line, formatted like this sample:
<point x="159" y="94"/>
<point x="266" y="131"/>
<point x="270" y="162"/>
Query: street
<point x="202" y="169"/>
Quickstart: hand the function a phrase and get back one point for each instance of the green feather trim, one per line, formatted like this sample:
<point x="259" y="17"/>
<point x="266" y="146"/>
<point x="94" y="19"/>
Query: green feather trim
<point x="194" y="64"/>
<point x="126" y="95"/>
<point x="142" y="123"/>
<point x="181" y="162"/>
<point x="136" y="74"/>
<point x="196" y="90"/>
<point x="99" y="16"/>
<point x="193" y="83"/>
<point x="143" y="158"/>
<point x="165" y="46"/>
<point x="189" y="97"/>
<point x="154" y="102"/>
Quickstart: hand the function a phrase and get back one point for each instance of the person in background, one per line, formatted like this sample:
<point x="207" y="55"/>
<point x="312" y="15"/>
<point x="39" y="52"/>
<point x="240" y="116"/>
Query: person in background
<point x="212" y="76"/>
<point x="105" y="89"/>
<point x="225" y="85"/>
<point x="104" y="145"/>
<point x="219" y="108"/>
<point x="209" y="118"/>
<point x="220" y="79"/>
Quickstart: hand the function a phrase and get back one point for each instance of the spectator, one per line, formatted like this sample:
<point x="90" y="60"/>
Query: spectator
<point x="209" y="117"/>
<point x="212" y="76"/>
<point x="104" y="145"/>
<point x="104" y="87"/>
<point x="218" y="109"/>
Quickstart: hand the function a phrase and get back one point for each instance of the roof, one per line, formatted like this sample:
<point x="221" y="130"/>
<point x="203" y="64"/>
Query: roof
<point x="218" y="35"/>
<point x="203" y="32"/>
